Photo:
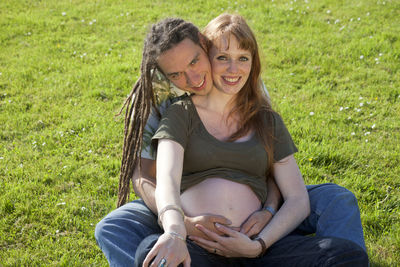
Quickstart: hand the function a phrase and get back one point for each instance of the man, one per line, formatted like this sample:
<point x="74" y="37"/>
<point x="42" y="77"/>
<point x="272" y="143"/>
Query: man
<point x="174" y="47"/>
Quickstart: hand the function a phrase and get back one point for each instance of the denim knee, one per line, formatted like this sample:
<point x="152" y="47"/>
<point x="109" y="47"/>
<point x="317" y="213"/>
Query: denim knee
<point x="341" y="252"/>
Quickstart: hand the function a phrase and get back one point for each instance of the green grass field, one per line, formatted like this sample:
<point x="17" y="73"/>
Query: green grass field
<point x="332" y="68"/>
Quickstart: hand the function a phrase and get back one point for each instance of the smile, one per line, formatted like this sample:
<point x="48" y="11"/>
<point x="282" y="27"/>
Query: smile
<point x="231" y="80"/>
<point x="197" y="87"/>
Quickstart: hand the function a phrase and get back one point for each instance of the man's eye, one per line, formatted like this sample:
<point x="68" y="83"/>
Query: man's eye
<point x="221" y="58"/>
<point x="174" y="76"/>
<point x="194" y="61"/>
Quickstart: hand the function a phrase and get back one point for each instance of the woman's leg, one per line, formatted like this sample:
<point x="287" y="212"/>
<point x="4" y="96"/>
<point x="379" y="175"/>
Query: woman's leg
<point x="121" y="231"/>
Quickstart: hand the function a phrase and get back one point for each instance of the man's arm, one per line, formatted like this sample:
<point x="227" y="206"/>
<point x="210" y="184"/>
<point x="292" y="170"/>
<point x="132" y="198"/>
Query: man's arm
<point x="259" y="219"/>
<point x="144" y="183"/>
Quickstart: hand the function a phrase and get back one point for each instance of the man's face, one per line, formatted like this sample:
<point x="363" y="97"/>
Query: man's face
<point x="187" y="66"/>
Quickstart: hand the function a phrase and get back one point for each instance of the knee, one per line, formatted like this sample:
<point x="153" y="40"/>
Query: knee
<point x="337" y="194"/>
<point x="341" y="252"/>
<point x="99" y="231"/>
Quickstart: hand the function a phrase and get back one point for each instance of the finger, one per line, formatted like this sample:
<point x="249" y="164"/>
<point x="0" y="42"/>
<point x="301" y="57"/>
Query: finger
<point x="220" y="219"/>
<point x="187" y="261"/>
<point x="208" y="233"/>
<point x="226" y="230"/>
<point x="149" y="257"/>
<point x="247" y="226"/>
<point x="254" y="230"/>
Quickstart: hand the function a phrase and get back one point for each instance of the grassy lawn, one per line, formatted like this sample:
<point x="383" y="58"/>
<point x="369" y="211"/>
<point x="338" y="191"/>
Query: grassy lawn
<point x="332" y="68"/>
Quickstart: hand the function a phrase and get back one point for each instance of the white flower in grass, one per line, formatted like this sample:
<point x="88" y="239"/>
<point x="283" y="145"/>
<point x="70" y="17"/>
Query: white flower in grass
<point x="82" y="20"/>
<point x="353" y="133"/>
<point x="44" y="143"/>
<point x="90" y="151"/>
<point x="361" y="104"/>
<point x="366" y="140"/>
<point x="349" y="118"/>
<point x="341" y="28"/>
<point x="351" y="19"/>
<point x="373" y="126"/>
<point x="1" y="73"/>
<point x="376" y="59"/>
<point x="64" y="13"/>
<point x="360" y="98"/>
<point x="21" y="165"/>
<point x="57" y="231"/>
<point x="65" y="167"/>
<point x="34" y="142"/>
<point x="337" y="21"/>
<point x="60" y="204"/>
<point x="1" y="157"/>
<point x="94" y="20"/>
<point x="358" y="19"/>
<point x="367" y="133"/>
<point x="361" y="57"/>
<point x="346" y="108"/>
<point x="83" y="209"/>
<point x="341" y="108"/>
<point x="90" y="23"/>
<point x="311" y="113"/>
<point x="328" y="12"/>
<point x="380" y="54"/>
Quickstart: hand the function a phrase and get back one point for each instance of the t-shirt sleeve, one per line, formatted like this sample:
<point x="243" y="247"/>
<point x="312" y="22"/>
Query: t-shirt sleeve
<point x="174" y="125"/>
<point x="283" y="143"/>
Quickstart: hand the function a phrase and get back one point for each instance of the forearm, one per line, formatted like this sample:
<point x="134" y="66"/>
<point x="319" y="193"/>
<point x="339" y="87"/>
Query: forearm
<point x="293" y="211"/>
<point x="144" y="183"/>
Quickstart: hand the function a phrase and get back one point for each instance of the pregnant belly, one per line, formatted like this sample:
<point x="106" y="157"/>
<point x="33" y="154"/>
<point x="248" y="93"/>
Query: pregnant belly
<point x="223" y="197"/>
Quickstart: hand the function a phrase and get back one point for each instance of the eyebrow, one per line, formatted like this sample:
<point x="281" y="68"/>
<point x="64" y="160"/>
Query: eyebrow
<point x="176" y="72"/>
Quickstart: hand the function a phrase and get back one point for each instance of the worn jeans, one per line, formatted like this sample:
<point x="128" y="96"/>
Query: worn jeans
<point x="334" y="213"/>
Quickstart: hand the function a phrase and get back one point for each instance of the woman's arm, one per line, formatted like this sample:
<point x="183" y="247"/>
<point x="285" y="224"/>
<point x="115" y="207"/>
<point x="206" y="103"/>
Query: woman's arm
<point x="171" y="245"/>
<point x="296" y="205"/>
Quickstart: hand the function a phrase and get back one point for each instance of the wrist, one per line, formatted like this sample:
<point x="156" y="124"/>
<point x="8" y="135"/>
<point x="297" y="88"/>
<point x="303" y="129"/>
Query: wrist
<point x="270" y="210"/>
<point x="263" y="247"/>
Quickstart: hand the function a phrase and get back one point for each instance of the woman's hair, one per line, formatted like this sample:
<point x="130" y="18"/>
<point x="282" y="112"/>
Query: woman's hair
<point x="250" y="104"/>
<point x="162" y="36"/>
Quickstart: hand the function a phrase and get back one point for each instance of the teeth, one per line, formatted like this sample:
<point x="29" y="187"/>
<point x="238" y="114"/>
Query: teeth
<point x="200" y="84"/>
<point x="232" y="80"/>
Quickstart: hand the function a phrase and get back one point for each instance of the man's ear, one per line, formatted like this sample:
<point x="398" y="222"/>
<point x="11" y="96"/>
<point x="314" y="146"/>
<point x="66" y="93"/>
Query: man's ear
<point x="203" y="42"/>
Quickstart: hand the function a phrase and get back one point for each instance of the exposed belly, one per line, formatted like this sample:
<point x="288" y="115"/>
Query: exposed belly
<point x="223" y="197"/>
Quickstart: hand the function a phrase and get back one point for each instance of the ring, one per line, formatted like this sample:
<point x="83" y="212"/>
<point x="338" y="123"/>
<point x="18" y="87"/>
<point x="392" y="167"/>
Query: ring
<point x="162" y="263"/>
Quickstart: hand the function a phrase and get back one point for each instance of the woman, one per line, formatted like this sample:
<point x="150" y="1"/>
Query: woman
<point x="224" y="146"/>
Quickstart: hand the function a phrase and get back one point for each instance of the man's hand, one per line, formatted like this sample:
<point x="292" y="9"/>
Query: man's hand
<point x="255" y="223"/>
<point x="207" y="221"/>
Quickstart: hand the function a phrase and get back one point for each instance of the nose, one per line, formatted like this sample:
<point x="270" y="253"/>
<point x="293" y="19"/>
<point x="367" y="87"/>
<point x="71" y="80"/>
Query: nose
<point x="233" y="68"/>
<point x="193" y="78"/>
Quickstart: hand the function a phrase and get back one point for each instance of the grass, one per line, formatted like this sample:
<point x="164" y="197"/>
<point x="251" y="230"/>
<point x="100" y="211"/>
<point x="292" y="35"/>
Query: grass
<point x="332" y="68"/>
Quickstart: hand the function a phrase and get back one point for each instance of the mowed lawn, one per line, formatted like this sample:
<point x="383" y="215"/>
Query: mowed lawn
<point x="332" y="69"/>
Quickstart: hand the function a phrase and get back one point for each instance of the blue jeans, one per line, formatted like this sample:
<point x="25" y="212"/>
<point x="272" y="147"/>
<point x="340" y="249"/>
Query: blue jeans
<point x="334" y="213"/>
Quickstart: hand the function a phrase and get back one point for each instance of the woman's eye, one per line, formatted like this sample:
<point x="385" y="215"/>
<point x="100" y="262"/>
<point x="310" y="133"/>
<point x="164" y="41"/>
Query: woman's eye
<point x="243" y="58"/>
<point x="221" y="58"/>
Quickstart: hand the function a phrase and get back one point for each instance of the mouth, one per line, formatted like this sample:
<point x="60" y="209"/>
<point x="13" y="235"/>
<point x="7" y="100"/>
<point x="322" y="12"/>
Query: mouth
<point x="231" y="80"/>
<point x="200" y="86"/>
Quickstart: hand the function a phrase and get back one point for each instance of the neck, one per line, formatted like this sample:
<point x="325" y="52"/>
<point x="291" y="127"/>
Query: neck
<point x="218" y="101"/>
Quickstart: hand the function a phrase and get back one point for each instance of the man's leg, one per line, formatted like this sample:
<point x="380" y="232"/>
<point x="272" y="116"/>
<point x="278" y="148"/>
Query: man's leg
<point x="334" y="213"/>
<point x="121" y="231"/>
<point x="298" y="250"/>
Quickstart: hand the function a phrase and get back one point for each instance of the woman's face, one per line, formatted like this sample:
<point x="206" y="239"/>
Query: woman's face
<point x="230" y="64"/>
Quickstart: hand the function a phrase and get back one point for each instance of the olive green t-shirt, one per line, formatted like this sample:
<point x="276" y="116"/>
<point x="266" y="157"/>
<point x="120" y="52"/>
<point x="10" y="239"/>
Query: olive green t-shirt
<point x="207" y="157"/>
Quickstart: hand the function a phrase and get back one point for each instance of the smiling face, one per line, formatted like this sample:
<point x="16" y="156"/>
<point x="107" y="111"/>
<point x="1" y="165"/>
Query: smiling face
<point x="231" y="65"/>
<point x="187" y="66"/>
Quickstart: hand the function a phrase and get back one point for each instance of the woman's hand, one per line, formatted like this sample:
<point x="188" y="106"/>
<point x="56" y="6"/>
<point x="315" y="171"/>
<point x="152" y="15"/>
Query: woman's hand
<point x="173" y="250"/>
<point x="233" y="244"/>
<point x="255" y="223"/>
<point x="206" y="220"/>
